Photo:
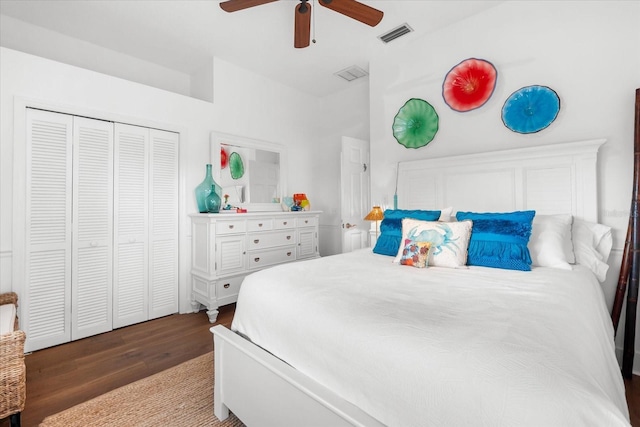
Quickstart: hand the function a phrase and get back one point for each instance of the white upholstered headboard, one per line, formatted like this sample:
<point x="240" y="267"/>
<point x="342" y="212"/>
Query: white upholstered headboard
<point x="550" y="179"/>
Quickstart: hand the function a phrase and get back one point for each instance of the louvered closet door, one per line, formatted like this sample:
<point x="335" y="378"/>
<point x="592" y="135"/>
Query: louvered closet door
<point x="92" y="227"/>
<point x="163" y="232"/>
<point x="130" y="273"/>
<point x="46" y="296"/>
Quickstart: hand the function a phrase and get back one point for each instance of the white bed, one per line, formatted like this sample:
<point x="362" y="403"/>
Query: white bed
<point x="355" y="339"/>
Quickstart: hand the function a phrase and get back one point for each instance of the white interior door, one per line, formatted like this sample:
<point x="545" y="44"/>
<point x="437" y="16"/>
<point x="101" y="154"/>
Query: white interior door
<point x="355" y="183"/>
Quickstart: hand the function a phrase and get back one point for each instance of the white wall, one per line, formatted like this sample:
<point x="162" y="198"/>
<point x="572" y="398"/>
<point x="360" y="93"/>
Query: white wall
<point x="586" y="51"/>
<point x="59" y="47"/>
<point x="245" y="104"/>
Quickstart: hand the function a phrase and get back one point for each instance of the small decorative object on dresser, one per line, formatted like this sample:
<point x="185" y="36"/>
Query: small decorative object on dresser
<point x="226" y="248"/>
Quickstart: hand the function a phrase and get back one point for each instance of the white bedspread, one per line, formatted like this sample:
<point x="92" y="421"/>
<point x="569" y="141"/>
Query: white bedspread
<point x="442" y="347"/>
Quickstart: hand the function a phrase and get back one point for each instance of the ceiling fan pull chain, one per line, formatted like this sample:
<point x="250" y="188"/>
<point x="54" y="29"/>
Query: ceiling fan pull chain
<point x="313" y="16"/>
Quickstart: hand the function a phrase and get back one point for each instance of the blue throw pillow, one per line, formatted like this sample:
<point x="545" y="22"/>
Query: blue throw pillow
<point x="500" y="239"/>
<point x="391" y="228"/>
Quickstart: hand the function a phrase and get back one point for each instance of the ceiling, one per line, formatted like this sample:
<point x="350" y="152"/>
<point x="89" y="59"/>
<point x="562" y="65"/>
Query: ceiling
<point x="184" y="35"/>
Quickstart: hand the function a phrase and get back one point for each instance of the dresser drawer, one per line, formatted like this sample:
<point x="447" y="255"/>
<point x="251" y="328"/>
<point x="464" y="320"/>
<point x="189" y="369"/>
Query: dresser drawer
<point x="270" y="240"/>
<point x="307" y="221"/>
<point x="228" y="287"/>
<point x="264" y="258"/>
<point x="259" y="225"/>
<point x="283" y="223"/>
<point x="231" y="227"/>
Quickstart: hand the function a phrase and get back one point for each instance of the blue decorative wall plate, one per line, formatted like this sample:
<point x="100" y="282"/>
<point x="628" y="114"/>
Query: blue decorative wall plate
<point x="530" y="109"/>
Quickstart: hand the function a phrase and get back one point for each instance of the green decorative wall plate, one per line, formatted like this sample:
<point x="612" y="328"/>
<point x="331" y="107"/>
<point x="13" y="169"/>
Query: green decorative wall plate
<point x="236" y="166"/>
<point x="416" y="123"/>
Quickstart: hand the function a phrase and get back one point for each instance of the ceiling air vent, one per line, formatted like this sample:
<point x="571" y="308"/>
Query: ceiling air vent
<point x="395" y="33"/>
<point x="351" y="73"/>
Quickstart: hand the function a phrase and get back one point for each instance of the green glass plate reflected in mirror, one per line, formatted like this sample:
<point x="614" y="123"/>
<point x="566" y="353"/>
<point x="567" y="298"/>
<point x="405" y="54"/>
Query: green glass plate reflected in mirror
<point x="236" y="166"/>
<point x="416" y="123"/>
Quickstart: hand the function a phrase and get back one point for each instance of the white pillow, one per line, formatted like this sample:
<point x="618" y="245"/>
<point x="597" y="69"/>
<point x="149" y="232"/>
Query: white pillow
<point x="7" y="318"/>
<point x="445" y="214"/>
<point x="592" y="245"/>
<point x="449" y="240"/>
<point x="550" y="241"/>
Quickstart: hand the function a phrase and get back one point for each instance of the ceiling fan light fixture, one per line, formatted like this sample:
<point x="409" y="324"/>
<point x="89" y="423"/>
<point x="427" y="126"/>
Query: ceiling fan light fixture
<point x="351" y="73"/>
<point x="395" y="33"/>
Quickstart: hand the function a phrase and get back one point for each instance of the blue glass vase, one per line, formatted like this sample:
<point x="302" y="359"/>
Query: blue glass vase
<point x="204" y="189"/>
<point x="213" y="201"/>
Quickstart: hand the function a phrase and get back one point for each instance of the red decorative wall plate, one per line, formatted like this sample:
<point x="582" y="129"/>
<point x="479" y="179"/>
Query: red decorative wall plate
<point x="469" y="84"/>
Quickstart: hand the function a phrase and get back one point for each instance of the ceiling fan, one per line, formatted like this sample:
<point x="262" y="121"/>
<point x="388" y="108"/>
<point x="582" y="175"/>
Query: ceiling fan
<point x="351" y="8"/>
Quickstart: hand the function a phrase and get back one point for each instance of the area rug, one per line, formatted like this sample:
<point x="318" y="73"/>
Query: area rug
<point x="178" y="396"/>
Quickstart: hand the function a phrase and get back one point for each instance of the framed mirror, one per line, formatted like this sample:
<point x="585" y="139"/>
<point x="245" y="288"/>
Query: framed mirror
<point x="249" y="171"/>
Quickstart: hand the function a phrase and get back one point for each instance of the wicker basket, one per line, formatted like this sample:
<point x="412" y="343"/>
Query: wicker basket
<point x="13" y="375"/>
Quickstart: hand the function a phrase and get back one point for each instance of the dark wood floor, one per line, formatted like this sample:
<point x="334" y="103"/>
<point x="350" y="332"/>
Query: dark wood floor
<point x="63" y="376"/>
<point x="68" y="374"/>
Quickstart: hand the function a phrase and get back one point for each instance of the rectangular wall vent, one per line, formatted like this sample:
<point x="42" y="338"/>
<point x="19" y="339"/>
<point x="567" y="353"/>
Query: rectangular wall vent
<point x="395" y="33"/>
<point x="351" y="73"/>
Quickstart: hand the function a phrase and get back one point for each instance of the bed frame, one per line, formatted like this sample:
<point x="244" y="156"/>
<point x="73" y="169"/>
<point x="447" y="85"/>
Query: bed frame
<point x="561" y="178"/>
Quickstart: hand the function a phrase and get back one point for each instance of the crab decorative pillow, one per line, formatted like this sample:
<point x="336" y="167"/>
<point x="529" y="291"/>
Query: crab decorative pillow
<point x="415" y="254"/>
<point x="449" y="241"/>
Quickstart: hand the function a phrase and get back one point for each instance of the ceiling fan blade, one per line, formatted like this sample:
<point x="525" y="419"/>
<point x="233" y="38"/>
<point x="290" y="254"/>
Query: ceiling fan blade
<point x="302" y="31"/>
<point x="234" y="5"/>
<point x="356" y="10"/>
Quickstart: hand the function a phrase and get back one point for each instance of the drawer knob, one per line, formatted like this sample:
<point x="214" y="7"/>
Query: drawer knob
<point x="285" y="223"/>
<point x="256" y="241"/>
<point x="230" y="225"/>
<point x="260" y="225"/>
<point x="288" y="253"/>
<point x="256" y="259"/>
<point x="226" y="285"/>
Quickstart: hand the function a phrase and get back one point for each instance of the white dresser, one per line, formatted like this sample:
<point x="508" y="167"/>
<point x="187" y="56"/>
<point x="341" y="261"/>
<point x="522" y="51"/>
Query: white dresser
<point x="227" y="247"/>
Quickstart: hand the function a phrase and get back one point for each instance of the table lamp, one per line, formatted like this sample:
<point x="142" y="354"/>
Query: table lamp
<point x="376" y="215"/>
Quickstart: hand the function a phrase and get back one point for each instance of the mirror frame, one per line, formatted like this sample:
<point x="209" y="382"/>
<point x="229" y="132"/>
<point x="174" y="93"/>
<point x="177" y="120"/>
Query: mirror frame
<point x="218" y="138"/>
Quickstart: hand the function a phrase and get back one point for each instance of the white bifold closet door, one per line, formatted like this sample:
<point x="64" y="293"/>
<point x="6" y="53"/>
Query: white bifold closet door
<point x="146" y="224"/>
<point x="92" y="244"/>
<point x="100" y="242"/>
<point x="68" y="217"/>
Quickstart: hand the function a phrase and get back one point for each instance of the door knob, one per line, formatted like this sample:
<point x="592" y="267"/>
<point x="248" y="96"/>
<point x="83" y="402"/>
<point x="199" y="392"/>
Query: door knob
<point x="347" y="225"/>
